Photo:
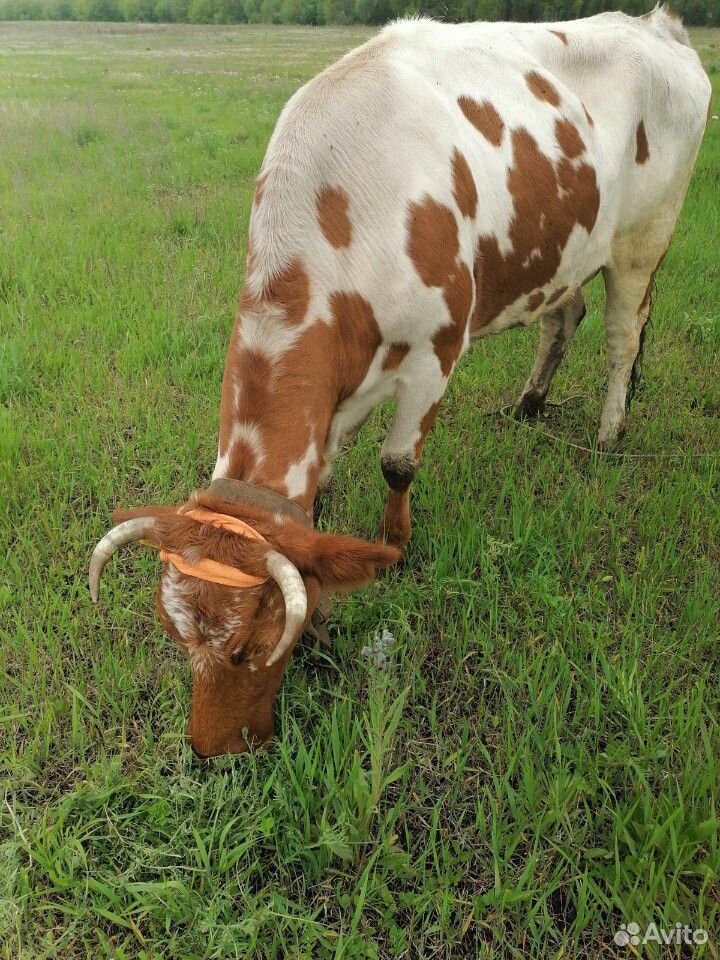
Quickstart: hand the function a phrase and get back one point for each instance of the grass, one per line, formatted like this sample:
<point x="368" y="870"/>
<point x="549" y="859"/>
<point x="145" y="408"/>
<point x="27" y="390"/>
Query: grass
<point x="540" y="761"/>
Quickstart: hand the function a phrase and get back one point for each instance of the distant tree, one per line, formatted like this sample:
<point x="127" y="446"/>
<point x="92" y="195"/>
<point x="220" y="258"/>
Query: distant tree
<point x="694" y="11"/>
<point x="290" y="11"/>
<point x="96" y="10"/>
<point x="29" y="10"/>
<point x="489" y="10"/>
<point x="377" y="11"/>
<point x="201" y="11"/>
<point x="338" y="11"/>
<point x="59" y="10"/>
<point x="270" y="11"/>
<point x="137" y="10"/>
<point x="229" y="11"/>
<point x="165" y="11"/>
<point x="312" y="12"/>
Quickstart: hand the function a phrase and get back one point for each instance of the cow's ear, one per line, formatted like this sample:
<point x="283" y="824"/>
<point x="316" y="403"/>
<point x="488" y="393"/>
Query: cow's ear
<point x="339" y="562"/>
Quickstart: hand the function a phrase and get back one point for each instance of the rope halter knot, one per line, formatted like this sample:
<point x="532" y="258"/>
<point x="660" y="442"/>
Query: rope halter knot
<point x="212" y="571"/>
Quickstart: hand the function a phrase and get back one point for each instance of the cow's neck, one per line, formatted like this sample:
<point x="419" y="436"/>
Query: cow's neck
<point x="274" y="418"/>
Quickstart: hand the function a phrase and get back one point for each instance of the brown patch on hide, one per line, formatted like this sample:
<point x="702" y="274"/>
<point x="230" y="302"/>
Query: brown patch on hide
<point x="288" y="401"/>
<point x="290" y="289"/>
<point x="433" y="244"/>
<point x="447" y="341"/>
<point x="541" y="88"/>
<point x="247" y="389"/>
<point x="259" y="187"/>
<point x="359" y="337"/>
<point x="395" y="355"/>
<point x="332" y="212"/>
<point x="426" y="423"/>
<point x="535" y="300"/>
<point x="252" y="376"/>
<point x="244" y="457"/>
<point x="560" y="35"/>
<point x="434" y="248"/>
<point x="464" y="190"/>
<point x="258" y="392"/>
<point x="556" y="295"/>
<point x="549" y="200"/>
<point x="484" y="117"/>
<point x="568" y="138"/>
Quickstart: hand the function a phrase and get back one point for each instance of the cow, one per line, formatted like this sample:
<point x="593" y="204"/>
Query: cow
<point x="438" y="184"/>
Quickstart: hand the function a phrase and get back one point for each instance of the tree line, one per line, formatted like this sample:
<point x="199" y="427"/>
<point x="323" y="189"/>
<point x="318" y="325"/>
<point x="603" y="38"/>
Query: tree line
<point x="317" y="12"/>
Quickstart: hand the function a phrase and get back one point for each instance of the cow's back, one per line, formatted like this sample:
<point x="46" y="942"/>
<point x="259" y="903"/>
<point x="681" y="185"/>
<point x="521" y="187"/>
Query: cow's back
<point x="529" y="147"/>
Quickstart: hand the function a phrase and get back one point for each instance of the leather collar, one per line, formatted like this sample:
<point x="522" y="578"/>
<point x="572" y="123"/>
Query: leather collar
<point x="239" y="491"/>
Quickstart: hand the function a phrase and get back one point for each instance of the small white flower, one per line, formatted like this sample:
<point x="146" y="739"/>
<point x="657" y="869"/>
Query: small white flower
<point x="381" y="646"/>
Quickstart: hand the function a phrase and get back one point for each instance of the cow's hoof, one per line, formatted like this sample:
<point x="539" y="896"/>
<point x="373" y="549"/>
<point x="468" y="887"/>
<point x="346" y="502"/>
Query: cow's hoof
<point x="529" y="406"/>
<point x="608" y="438"/>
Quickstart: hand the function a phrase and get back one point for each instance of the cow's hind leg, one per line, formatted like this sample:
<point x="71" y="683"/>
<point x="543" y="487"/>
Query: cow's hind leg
<point x="556" y="331"/>
<point x="417" y="401"/>
<point x="627" y="312"/>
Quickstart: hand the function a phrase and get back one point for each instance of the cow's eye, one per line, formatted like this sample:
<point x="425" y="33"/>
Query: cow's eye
<point x="237" y="657"/>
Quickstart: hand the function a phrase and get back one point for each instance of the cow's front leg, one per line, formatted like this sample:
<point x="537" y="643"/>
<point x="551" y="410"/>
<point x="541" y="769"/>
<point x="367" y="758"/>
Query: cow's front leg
<point x="417" y="402"/>
<point x="556" y="331"/>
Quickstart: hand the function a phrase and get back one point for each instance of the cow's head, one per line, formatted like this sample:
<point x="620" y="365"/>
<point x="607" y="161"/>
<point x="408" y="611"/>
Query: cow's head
<point x="238" y="635"/>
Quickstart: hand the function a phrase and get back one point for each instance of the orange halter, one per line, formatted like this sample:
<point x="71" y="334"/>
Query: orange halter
<point x="211" y="570"/>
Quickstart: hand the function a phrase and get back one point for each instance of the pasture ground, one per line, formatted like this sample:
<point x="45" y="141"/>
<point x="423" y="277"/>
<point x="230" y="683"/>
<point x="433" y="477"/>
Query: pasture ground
<point x="541" y="759"/>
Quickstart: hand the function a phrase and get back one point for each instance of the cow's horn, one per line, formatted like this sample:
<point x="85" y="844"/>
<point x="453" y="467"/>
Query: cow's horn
<point x="123" y="533"/>
<point x="286" y="575"/>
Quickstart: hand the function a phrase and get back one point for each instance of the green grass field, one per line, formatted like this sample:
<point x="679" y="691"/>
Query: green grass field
<point x="539" y="763"/>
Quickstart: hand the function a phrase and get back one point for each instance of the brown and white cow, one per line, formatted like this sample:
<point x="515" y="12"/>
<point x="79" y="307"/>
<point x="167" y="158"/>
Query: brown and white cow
<point x="439" y="183"/>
